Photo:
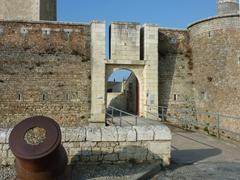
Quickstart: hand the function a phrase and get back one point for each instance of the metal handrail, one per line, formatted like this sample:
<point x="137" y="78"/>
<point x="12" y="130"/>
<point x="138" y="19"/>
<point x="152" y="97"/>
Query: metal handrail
<point x="197" y="112"/>
<point x="181" y="116"/>
<point x="121" y="113"/>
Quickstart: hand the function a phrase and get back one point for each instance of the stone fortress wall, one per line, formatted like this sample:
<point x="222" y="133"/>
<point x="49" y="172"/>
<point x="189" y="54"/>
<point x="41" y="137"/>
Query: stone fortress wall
<point x="228" y="7"/>
<point x="45" y="69"/>
<point x="175" y="69"/>
<point x="216" y="60"/>
<point x="60" y="70"/>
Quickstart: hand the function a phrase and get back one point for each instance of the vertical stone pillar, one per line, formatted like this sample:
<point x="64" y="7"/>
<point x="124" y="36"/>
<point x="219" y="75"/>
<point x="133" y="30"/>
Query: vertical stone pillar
<point x="97" y="73"/>
<point x="151" y="71"/>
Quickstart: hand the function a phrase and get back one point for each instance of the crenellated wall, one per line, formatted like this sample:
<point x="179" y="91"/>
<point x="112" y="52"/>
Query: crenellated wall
<point x="60" y="69"/>
<point x="124" y="41"/>
<point x="45" y="69"/>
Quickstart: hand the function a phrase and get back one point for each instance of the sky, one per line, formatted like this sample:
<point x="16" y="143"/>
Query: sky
<point x="165" y="13"/>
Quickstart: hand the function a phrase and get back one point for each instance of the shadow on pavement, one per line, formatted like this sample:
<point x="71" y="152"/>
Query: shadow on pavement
<point x="191" y="156"/>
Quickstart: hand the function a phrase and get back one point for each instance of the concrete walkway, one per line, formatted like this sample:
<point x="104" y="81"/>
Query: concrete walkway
<point x="130" y="121"/>
<point x="196" y="156"/>
<point x="199" y="156"/>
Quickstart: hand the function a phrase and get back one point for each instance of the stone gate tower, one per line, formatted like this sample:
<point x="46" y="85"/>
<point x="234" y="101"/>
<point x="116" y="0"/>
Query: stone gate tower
<point x="228" y="7"/>
<point x="31" y="10"/>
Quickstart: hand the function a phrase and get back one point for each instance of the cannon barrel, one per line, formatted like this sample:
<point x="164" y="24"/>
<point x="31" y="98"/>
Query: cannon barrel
<point x="36" y="143"/>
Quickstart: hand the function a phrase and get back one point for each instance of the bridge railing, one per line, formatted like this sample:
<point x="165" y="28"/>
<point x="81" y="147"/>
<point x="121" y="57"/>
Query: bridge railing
<point x="117" y="117"/>
<point x="215" y="124"/>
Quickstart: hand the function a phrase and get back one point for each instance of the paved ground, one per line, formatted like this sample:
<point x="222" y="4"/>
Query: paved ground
<point x="198" y="156"/>
<point x="131" y="121"/>
<point x="194" y="157"/>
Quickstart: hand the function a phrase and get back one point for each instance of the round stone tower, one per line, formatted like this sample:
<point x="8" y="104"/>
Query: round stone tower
<point x="228" y="7"/>
<point x="30" y="10"/>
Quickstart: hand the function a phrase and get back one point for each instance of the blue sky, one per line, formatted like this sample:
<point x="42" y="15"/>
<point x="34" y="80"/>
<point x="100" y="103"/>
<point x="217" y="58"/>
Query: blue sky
<point x="166" y="13"/>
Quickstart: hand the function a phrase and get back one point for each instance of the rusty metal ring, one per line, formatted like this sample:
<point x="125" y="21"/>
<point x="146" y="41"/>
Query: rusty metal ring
<point x="23" y="150"/>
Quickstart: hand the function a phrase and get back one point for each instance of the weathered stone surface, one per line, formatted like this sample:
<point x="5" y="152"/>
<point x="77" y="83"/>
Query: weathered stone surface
<point x="107" y="150"/>
<point x="30" y="10"/>
<point x="3" y="135"/>
<point x="63" y="132"/>
<point x="8" y="134"/>
<point x="162" y="133"/>
<point x="5" y="147"/>
<point x="157" y="148"/>
<point x="60" y="82"/>
<point x="144" y="133"/>
<point x="75" y="134"/>
<point x="86" y="151"/>
<point x="125" y="41"/>
<point x="75" y="151"/>
<point x="126" y="134"/>
<point x="88" y="144"/>
<point x="175" y="71"/>
<point x="109" y="134"/>
<point x="107" y="144"/>
<point x="94" y="150"/>
<point x="94" y="134"/>
<point x="110" y="157"/>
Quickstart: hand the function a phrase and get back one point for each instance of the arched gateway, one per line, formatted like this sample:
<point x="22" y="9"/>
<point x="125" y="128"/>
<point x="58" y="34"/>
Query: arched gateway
<point x="134" y="48"/>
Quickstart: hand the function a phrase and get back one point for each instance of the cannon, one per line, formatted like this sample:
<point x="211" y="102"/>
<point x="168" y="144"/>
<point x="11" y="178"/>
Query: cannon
<point x="36" y="144"/>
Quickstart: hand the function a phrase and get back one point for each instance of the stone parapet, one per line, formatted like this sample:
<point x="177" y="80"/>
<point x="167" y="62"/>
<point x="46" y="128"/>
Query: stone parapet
<point x="107" y="145"/>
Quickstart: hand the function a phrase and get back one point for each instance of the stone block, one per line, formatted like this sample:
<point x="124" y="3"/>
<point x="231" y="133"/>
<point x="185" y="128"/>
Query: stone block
<point x="84" y="158"/>
<point x="71" y="145"/>
<point x="5" y="147"/>
<point x="126" y="134"/>
<point x="133" y="152"/>
<point x="161" y="133"/>
<point x="4" y="154"/>
<point x="3" y="135"/>
<point x="94" y="134"/>
<point x="74" y="151"/>
<point x="107" y="150"/>
<point x="107" y="144"/>
<point x="10" y="154"/>
<point x="86" y="151"/>
<point x="73" y="159"/>
<point x="8" y="134"/>
<point x="159" y="148"/>
<point x="138" y="154"/>
<point x="75" y="134"/>
<point x="63" y="132"/>
<point x="144" y="133"/>
<point x="109" y="134"/>
<point x="88" y="144"/>
<point x="110" y="157"/>
<point x="96" y="151"/>
<point x="94" y="158"/>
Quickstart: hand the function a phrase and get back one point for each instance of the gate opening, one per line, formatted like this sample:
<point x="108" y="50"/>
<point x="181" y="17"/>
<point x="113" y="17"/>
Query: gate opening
<point x="123" y="91"/>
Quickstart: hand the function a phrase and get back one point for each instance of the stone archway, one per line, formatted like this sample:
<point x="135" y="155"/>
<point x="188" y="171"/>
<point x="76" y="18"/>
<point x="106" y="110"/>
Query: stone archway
<point x="137" y="70"/>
